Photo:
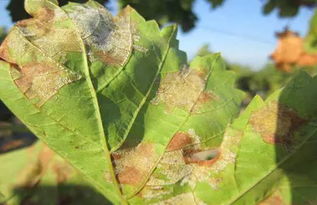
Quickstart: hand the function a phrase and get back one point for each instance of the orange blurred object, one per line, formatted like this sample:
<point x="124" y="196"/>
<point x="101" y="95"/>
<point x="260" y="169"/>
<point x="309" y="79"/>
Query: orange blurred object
<point x="290" y="51"/>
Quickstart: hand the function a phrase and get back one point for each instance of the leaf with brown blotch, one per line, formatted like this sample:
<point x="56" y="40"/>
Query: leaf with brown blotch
<point x="267" y="156"/>
<point x="108" y="93"/>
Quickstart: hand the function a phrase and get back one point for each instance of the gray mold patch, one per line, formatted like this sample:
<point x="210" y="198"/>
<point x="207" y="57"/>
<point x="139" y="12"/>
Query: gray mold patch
<point x="108" y="38"/>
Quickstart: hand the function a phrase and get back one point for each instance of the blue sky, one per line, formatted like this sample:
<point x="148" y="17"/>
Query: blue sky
<point x="238" y="30"/>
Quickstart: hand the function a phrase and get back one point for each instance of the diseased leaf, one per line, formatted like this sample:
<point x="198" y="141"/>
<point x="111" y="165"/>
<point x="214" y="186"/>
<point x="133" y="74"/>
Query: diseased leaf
<point x="251" y="164"/>
<point x="112" y="94"/>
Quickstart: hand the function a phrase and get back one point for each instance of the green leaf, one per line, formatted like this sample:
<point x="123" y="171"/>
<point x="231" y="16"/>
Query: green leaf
<point x="310" y="42"/>
<point x="14" y="163"/>
<point x="272" y="141"/>
<point x="109" y="93"/>
<point x="36" y="175"/>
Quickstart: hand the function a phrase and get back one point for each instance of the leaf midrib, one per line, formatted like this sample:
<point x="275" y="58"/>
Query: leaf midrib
<point x="98" y="113"/>
<point x="180" y="126"/>
<point x="95" y="103"/>
<point x="145" y="97"/>
<point x="53" y="119"/>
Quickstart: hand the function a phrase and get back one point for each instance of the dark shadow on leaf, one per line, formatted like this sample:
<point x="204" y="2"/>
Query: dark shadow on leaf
<point x="62" y="194"/>
<point x="11" y="140"/>
<point x="137" y="128"/>
<point x="295" y="141"/>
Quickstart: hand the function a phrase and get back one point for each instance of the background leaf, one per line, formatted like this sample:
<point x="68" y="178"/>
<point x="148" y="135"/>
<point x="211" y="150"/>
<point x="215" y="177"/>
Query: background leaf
<point x="37" y="175"/>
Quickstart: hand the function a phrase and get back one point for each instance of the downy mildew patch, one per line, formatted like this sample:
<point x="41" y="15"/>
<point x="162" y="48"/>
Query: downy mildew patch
<point x="187" y="164"/>
<point x="275" y="123"/>
<point x="40" y="81"/>
<point x="184" y="90"/>
<point x="133" y="164"/>
<point x="109" y="39"/>
<point x="36" y="48"/>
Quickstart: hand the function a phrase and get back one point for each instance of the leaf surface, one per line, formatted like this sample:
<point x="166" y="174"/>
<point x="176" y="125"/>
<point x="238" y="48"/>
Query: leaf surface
<point x="266" y="150"/>
<point x="36" y="175"/>
<point x="310" y="42"/>
<point x="109" y="94"/>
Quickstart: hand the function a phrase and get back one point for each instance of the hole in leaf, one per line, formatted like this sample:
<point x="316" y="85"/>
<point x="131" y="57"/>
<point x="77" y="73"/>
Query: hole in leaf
<point x="205" y="157"/>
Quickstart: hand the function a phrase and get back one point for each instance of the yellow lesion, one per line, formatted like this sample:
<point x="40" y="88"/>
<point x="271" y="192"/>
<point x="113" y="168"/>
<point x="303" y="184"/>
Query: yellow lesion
<point x="184" y="89"/>
<point x="133" y="164"/>
<point x="35" y="48"/>
<point x="45" y="31"/>
<point x="275" y="122"/>
<point x="41" y="82"/>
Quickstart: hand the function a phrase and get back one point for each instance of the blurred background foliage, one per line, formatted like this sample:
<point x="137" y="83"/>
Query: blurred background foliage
<point x="287" y="8"/>
<point x="175" y="11"/>
<point x="3" y="33"/>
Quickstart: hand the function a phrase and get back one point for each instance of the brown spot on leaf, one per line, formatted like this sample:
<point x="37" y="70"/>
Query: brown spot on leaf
<point x="44" y="15"/>
<point x="274" y="199"/>
<point x="41" y="81"/>
<point x="183" y="89"/>
<point x="4" y="50"/>
<point x="275" y="123"/>
<point x="179" y="140"/>
<point x="130" y="175"/>
<point x="205" y="97"/>
<point x="133" y="164"/>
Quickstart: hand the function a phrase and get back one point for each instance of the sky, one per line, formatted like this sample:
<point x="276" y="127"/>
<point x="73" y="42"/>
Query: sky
<point x="238" y="30"/>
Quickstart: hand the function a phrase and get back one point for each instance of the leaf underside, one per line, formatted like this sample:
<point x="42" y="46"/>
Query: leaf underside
<point x="115" y="98"/>
<point x="93" y="86"/>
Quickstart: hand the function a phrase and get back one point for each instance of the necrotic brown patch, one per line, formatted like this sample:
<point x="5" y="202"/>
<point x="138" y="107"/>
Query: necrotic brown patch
<point x="4" y="50"/>
<point x="179" y="140"/>
<point x="183" y="89"/>
<point x="46" y="33"/>
<point x="205" y="97"/>
<point x="133" y="164"/>
<point x="130" y="175"/>
<point x="275" y="123"/>
<point x="274" y="199"/>
<point x="41" y="81"/>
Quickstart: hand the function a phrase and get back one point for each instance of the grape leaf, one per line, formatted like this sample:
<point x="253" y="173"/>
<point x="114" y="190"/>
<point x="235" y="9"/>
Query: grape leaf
<point x="109" y="93"/>
<point x="266" y="150"/>
<point x="36" y="175"/>
<point x="310" y="41"/>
